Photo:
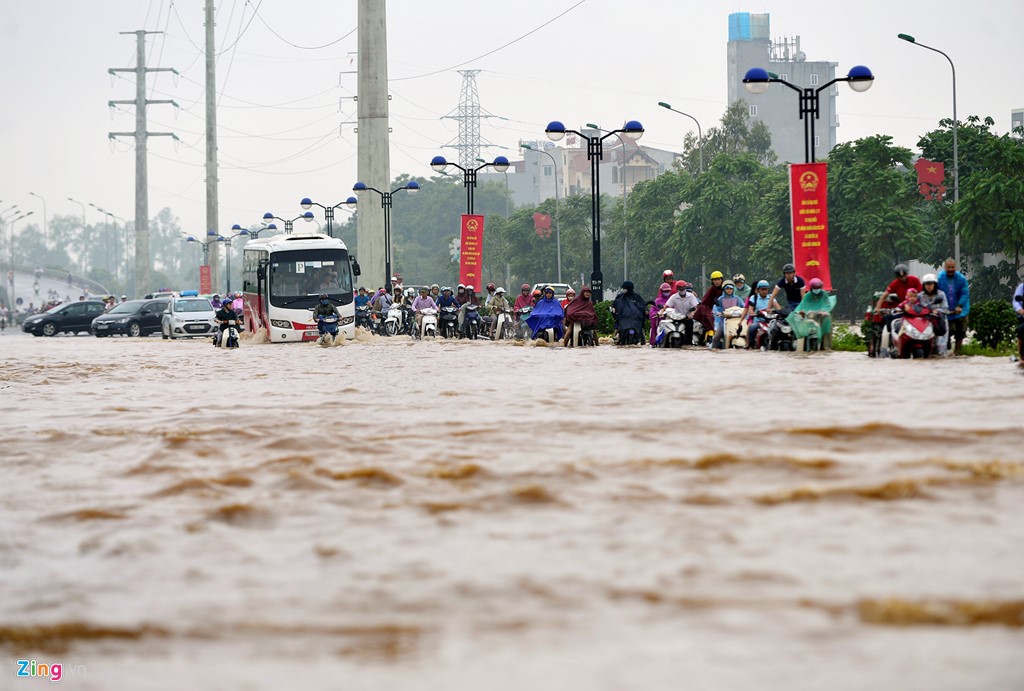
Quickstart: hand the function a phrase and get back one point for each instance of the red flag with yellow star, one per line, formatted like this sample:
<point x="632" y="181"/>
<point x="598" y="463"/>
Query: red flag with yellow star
<point x="930" y="176"/>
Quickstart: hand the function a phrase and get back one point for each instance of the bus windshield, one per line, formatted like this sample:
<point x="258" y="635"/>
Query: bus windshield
<point x="298" y="277"/>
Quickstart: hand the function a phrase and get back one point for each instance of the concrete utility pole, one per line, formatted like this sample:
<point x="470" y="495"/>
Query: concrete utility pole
<point x="374" y="158"/>
<point x="140" y="285"/>
<point x="212" y="219"/>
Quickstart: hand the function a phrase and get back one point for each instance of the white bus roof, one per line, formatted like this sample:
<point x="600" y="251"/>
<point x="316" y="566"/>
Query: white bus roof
<point x="283" y="241"/>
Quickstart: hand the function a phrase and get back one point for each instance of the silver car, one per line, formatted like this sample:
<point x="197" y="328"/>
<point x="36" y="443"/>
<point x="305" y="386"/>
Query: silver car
<point x="188" y="317"/>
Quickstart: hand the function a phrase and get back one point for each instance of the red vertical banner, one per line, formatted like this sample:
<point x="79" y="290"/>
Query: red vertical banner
<point x="205" y="286"/>
<point x="471" y="250"/>
<point x="808" y="194"/>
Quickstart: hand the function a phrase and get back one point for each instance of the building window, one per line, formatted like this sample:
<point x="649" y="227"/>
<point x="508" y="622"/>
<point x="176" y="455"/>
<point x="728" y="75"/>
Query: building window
<point x="814" y="80"/>
<point x="547" y="170"/>
<point x="753" y="111"/>
<point x="817" y="141"/>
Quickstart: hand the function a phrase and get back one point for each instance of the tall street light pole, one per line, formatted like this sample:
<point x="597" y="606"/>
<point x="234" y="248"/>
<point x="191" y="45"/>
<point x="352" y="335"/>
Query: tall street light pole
<point x="758" y="79"/>
<point x="558" y="230"/>
<point x="45" y="224"/>
<point x="439" y="164"/>
<point x="595" y="151"/>
<point x="385" y="201"/>
<point x="241" y="232"/>
<point x="700" y="134"/>
<point x="956" y="152"/>
<point x="622" y="176"/>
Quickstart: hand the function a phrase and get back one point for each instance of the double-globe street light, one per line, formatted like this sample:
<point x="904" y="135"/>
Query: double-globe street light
<point x="956" y="152"/>
<point x="212" y="236"/>
<point x="558" y="231"/>
<point x="385" y="201"/>
<point x="595" y="151"/>
<point x="306" y="203"/>
<point x="269" y="216"/>
<point x="439" y="164"/>
<point x="758" y="79"/>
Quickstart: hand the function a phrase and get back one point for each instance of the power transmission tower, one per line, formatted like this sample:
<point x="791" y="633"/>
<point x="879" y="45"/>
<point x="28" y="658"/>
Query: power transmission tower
<point x="140" y="283"/>
<point x="469" y="117"/>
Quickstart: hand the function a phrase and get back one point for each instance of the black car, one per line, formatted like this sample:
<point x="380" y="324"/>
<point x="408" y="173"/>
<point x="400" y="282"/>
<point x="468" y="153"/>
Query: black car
<point x="132" y="318"/>
<point x="71" y="317"/>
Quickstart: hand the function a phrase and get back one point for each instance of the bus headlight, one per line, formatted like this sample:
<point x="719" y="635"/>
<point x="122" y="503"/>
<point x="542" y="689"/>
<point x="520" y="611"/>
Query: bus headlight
<point x="280" y="323"/>
<point x="347" y="320"/>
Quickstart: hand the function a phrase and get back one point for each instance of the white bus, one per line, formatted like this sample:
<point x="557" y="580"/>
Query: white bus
<point x="282" y="278"/>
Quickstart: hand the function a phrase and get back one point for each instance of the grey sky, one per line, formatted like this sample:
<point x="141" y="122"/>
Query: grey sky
<point x="605" y="61"/>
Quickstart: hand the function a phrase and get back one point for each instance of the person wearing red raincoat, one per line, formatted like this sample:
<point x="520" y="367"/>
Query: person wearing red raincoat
<point x="654" y="313"/>
<point x="579" y="309"/>
<point x="703" y="312"/>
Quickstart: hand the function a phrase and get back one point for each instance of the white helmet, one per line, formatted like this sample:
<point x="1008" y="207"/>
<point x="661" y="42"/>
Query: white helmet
<point x="499" y="291"/>
<point x="410" y="292"/>
<point x="929" y="278"/>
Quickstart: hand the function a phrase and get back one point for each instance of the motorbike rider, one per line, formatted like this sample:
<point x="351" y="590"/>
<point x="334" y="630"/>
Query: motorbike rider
<point x="743" y="291"/>
<point x="524" y="299"/>
<point x="324" y="308"/>
<point x="655" y="309"/>
<point x="1018" y="307"/>
<point x="460" y="294"/>
<point x="547" y="314"/>
<point x="362" y="299"/>
<point x="668" y="277"/>
<point x="491" y="288"/>
<point x="899" y="286"/>
<point x="435" y="292"/>
<point x="760" y="301"/>
<point x="727" y="300"/>
<point x="216" y="302"/>
<point x="794" y="287"/>
<point x="570" y="294"/>
<point x="703" y="314"/>
<point x="469" y="298"/>
<point x="815" y="302"/>
<point x="954" y="285"/>
<point x="381" y="302"/>
<point x="629" y="310"/>
<point x="224" y="315"/>
<point x="499" y="304"/>
<point x="936" y="301"/>
<point x="420" y="303"/>
<point x="580" y="309"/>
<point x="684" y="302"/>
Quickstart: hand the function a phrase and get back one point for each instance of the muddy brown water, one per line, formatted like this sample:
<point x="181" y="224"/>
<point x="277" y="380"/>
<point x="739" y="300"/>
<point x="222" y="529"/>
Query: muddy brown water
<point x="397" y="515"/>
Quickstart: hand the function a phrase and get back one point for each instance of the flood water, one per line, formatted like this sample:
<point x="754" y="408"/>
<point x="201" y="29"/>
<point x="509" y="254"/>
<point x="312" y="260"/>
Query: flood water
<point x="398" y="515"/>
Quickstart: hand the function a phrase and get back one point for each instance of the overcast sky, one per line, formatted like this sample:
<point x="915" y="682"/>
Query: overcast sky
<point x="284" y="111"/>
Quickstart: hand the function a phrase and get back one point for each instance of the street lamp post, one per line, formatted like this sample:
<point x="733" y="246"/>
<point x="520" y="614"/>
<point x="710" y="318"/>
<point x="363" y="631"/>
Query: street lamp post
<point x="308" y="216"/>
<point x="45" y="230"/>
<point x="385" y="201"/>
<point x="700" y="134"/>
<point x="956" y="152"/>
<point x="212" y="237"/>
<point x="558" y="230"/>
<point x="758" y="79"/>
<point x="328" y="211"/>
<point x="13" y="221"/>
<point x="242" y="232"/>
<point x="439" y="164"/>
<point x="622" y="176"/>
<point x="595" y="151"/>
<point x="106" y="229"/>
<point x="75" y="201"/>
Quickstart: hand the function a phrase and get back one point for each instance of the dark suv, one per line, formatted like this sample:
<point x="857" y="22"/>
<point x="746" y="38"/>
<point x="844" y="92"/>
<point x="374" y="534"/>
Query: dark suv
<point x="132" y="318"/>
<point x="72" y="317"/>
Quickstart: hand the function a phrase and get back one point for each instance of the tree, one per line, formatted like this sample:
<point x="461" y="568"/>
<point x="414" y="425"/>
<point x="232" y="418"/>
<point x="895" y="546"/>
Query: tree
<point x="735" y="134"/>
<point x="873" y="220"/>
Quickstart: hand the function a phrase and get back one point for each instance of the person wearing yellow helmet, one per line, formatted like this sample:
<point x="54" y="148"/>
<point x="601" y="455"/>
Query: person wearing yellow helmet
<point x="703" y="313"/>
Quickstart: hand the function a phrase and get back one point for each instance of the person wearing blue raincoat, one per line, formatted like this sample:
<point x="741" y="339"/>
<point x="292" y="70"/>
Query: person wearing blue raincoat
<point x="547" y="314"/>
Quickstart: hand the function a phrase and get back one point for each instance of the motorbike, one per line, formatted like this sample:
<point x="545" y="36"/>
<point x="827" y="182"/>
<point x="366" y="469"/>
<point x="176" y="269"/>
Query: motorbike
<point x="394" y="323"/>
<point x="813" y="341"/>
<point x="363" y="318"/>
<point x="328" y="328"/>
<point x="582" y="336"/>
<point x="522" y="329"/>
<point x="428" y="324"/>
<point x="673" y="329"/>
<point x="228" y="336"/>
<point x="449" y="321"/>
<point x="733" y="325"/>
<point x="913" y="334"/>
<point x="471" y="322"/>
<point x="631" y="336"/>
<point x="780" y="333"/>
<point x="503" y="329"/>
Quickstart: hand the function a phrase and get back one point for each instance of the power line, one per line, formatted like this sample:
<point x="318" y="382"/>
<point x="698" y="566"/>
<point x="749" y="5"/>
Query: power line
<point x="295" y="45"/>
<point x="495" y="50"/>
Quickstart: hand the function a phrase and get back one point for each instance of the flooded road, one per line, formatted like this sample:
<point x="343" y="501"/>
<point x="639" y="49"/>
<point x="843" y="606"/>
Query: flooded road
<point x="398" y="515"/>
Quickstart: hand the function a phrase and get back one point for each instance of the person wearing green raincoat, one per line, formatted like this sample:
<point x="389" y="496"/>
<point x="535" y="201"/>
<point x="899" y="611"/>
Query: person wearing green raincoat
<point x="816" y="300"/>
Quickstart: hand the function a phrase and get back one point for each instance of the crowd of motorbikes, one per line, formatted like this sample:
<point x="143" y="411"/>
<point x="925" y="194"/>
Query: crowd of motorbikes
<point x="400" y="320"/>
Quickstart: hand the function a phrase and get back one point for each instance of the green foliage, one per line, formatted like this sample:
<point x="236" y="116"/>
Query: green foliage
<point x="847" y="340"/>
<point x="978" y="350"/>
<point x="605" y="320"/>
<point x="994" y="323"/>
